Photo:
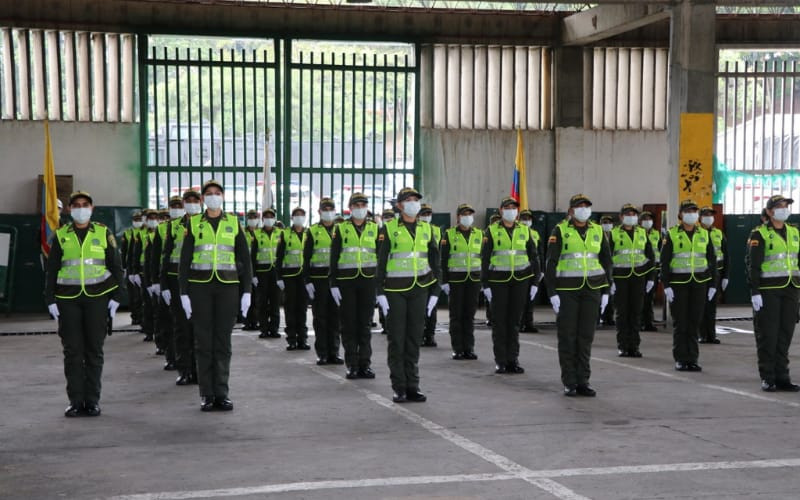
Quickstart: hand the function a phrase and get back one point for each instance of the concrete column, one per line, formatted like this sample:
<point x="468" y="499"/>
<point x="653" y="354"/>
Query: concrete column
<point x="568" y="86"/>
<point x="692" y="81"/>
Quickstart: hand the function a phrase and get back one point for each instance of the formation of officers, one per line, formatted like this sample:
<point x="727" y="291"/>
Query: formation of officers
<point x="191" y="272"/>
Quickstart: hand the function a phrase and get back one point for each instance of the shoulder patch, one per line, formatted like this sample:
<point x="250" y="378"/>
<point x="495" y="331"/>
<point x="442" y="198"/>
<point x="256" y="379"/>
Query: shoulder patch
<point x="753" y="242"/>
<point x="112" y="241"/>
<point x="552" y="239"/>
<point x="485" y="239"/>
<point x="381" y="237"/>
<point x="444" y="241"/>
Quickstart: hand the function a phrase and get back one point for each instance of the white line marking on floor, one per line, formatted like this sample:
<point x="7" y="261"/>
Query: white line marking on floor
<point x="674" y="376"/>
<point x="541" y="478"/>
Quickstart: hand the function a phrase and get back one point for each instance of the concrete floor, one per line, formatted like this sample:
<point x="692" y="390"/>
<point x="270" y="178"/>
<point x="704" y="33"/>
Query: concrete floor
<point x="303" y="431"/>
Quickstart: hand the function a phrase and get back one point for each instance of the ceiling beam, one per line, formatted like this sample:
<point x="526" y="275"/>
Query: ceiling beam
<point x="606" y="21"/>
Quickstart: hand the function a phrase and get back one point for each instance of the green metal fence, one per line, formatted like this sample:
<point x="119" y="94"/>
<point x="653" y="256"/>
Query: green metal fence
<point x="331" y="118"/>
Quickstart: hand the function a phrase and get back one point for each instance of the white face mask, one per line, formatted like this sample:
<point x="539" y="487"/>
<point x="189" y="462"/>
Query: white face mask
<point x="630" y="220"/>
<point x="582" y="214"/>
<point x="466" y="220"/>
<point x="526" y="222"/>
<point x="213" y="201"/>
<point x="269" y="222"/>
<point x="691" y="218"/>
<point x="607" y="227"/>
<point x="152" y="223"/>
<point x="81" y="215"/>
<point x="137" y="224"/>
<point x="174" y="213"/>
<point x="358" y="213"/>
<point x="252" y="222"/>
<point x="707" y="220"/>
<point x="328" y="215"/>
<point x="426" y="218"/>
<point x="193" y="208"/>
<point x="411" y="208"/>
<point x="298" y="220"/>
<point x="781" y="214"/>
<point x="510" y="214"/>
<point x="647" y="224"/>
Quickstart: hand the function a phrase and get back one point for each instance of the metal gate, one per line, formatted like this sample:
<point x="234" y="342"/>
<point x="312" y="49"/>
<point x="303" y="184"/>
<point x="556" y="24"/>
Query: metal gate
<point x="331" y="118"/>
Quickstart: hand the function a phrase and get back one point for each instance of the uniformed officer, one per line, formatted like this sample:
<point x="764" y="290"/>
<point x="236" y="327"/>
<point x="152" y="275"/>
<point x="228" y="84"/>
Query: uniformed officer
<point x="162" y="318"/>
<point x="353" y="262"/>
<point x="426" y="215"/>
<point x="689" y="276"/>
<point x="82" y="290"/>
<point x="774" y="276"/>
<point x="461" y="280"/>
<point x="215" y="263"/>
<point x="126" y="247"/>
<point x="577" y="275"/>
<point x="325" y="310"/>
<point x="634" y="276"/>
<point x="408" y="266"/>
<point x="510" y="276"/>
<point x="607" y="316"/>
<point x="526" y="324"/>
<point x="182" y="330"/>
<point x="708" y="328"/>
<point x="132" y="264"/>
<point x="263" y="251"/>
<point x="386" y="216"/>
<point x="654" y="236"/>
<point x="139" y="260"/>
<point x="253" y="223"/>
<point x="290" y="264"/>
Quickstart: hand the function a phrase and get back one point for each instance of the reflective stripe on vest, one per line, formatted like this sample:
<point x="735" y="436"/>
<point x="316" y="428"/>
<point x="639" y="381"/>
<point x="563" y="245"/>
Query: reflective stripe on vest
<point x="580" y="258"/>
<point x="214" y="252"/>
<point x="408" y="257"/>
<point x="780" y="264"/>
<point x="689" y="256"/>
<point x="358" y="251"/>
<point x="83" y="265"/>
<point x="716" y="239"/>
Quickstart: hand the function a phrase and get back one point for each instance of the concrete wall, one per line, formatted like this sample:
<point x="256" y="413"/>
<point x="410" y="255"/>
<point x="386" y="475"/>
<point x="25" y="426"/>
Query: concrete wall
<point x="610" y="167"/>
<point x="103" y="159"/>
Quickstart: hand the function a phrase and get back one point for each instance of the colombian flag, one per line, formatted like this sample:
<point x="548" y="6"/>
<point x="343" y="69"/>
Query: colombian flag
<point x="519" y="184"/>
<point x="49" y="196"/>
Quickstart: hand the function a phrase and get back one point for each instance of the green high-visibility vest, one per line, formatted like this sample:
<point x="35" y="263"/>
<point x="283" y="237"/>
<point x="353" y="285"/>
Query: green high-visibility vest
<point x="214" y="254"/>
<point x="266" y="248"/>
<point x="780" y="267"/>
<point x="689" y="256"/>
<point x="358" y="257"/>
<point x="509" y="257"/>
<point x="629" y="257"/>
<point x="178" y="232"/>
<point x="320" y="262"/>
<point x="655" y="238"/>
<point x="716" y="240"/>
<point x="579" y="262"/>
<point x="408" y="257"/>
<point x="293" y="252"/>
<point x="83" y="265"/>
<point x="465" y="255"/>
<point x="147" y="238"/>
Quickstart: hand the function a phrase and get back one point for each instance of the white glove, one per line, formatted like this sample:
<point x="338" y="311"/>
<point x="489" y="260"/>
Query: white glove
<point x="53" y="310"/>
<point x="137" y="280"/>
<point x="280" y="284"/>
<point x="132" y="278"/>
<point x="245" y="303"/>
<point x="711" y="292"/>
<point x="255" y="281"/>
<point x="187" y="305"/>
<point x="487" y="292"/>
<point x="383" y="303"/>
<point x="534" y="290"/>
<point x="649" y="286"/>
<point x="310" y="290"/>
<point x="432" y="300"/>
<point x="724" y="284"/>
<point x="757" y="300"/>
<point x="446" y="288"/>
<point x="337" y="295"/>
<point x="555" y="301"/>
<point x="613" y="289"/>
<point x="603" y="303"/>
<point x="113" y="305"/>
<point x="156" y="289"/>
<point x="167" y="296"/>
<point x="669" y="294"/>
